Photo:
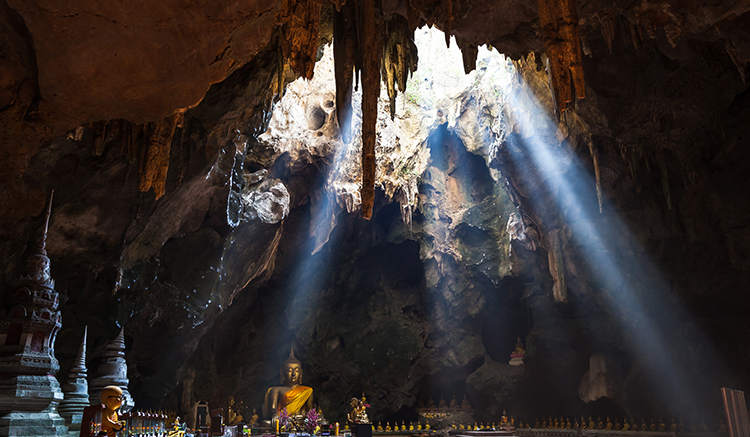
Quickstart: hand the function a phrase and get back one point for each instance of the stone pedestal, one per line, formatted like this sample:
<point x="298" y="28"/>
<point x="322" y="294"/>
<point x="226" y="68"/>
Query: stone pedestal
<point x="29" y="392"/>
<point x="75" y="391"/>
<point x="516" y="359"/>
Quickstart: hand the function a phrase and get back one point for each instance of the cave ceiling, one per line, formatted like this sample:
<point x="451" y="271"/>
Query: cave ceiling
<point x="175" y="213"/>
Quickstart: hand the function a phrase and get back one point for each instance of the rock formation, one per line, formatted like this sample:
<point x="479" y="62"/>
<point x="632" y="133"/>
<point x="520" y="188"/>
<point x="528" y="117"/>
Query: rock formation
<point x="75" y="390"/>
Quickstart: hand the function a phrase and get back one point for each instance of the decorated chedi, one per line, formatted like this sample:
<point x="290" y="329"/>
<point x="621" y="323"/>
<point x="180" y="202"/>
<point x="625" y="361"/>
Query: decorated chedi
<point x="29" y="323"/>
<point x="76" y="390"/>
<point x="516" y="358"/>
<point x="113" y="371"/>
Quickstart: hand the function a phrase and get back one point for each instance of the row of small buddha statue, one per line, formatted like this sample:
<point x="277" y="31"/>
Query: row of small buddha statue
<point x="625" y="426"/>
<point x="403" y="427"/>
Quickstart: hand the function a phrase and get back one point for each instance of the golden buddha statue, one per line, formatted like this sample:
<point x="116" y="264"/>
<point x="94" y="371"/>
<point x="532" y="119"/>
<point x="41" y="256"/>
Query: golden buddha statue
<point x="662" y="426"/>
<point x="617" y="426"/>
<point x="625" y="425"/>
<point x="380" y="427"/>
<point x="544" y="422"/>
<point x="673" y="426"/>
<point x="461" y="426"/>
<point x="568" y="425"/>
<point x="536" y="423"/>
<point x="591" y="424"/>
<point x="454" y="402"/>
<point x="388" y="427"/>
<point x="576" y="425"/>
<point x="411" y="426"/>
<point x="427" y="425"/>
<point x="111" y="398"/>
<point x="609" y="425"/>
<point x="296" y="398"/>
<point x="419" y="426"/>
<point x="442" y="403"/>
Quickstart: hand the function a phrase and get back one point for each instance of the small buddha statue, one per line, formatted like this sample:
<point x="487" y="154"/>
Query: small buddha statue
<point x="453" y="424"/>
<point x="693" y="428"/>
<point x="461" y="426"/>
<point x="681" y="425"/>
<point x="296" y="398"/>
<point x="673" y="426"/>
<point x="652" y="426"/>
<point x="430" y="403"/>
<point x="576" y="425"/>
<point x="568" y="425"/>
<point x="254" y="417"/>
<point x="625" y="424"/>
<point x="380" y="427"/>
<point x="591" y="424"/>
<point x="704" y="427"/>
<point x="111" y="398"/>
<point x="476" y="427"/>
<point x="427" y="425"/>
<point x="465" y="403"/>
<point x="388" y="427"/>
<point x="556" y="425"/>
<point x="454" y="403"/>
<point x="536" y="422"/>
<point x="544" y="423"/>
<point x="442" y="403"/>
<point x="519" y="346"/>
<point x="662" y="426"/>
<point x="608" y="425"/>
<point x="722" y="426"/>
<point x="411" y="426"/>
<point x="583" y="423"/>
<point x="512" y="421"/>
<point x="617" y="426"/>
<point x="599" y="423"/>
<point x="550" y="424"/>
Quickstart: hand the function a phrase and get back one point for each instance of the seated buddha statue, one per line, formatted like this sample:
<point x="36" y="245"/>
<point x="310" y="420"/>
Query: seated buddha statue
<point x="296" y="398"/>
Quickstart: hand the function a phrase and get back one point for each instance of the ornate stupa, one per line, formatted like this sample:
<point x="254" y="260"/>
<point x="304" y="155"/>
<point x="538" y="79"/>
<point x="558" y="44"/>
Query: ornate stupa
<point x="75" y="390"/>
<point x="29" y="392"/>
<point x="113" y="371"/>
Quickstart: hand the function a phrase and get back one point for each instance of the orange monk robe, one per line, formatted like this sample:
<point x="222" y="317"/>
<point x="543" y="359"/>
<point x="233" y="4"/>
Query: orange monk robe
<point x="294" y="399"/>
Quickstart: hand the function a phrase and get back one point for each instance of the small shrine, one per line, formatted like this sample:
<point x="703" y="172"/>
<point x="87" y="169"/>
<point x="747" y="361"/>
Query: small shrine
<point x="516" y="357"/>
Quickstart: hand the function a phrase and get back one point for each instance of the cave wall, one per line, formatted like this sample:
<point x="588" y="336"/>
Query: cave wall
<point x="208" y="297"/>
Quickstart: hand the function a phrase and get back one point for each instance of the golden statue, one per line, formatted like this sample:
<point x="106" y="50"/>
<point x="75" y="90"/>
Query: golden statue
<point x="454" y="402"/>
<point x="536" y="422"/>
<point x="609" y="424"/>
<point x="577" y="424"/>
<point x="617" y="426"/>
<point x="358" y="413"/>
<point x="465" y="403"/>
<point x="296" y="398"/>
<point x="380" y="427"/>
<point x="411" y="426"/>
<point x="625" y="425"/>
<point x="568" y="425"/>
<point x="591" y="424"/>
<point x="254" y="417"/>
<point x="388" y="427"/>
<point x="519" y="346"/>
<point x="111" y="398"/>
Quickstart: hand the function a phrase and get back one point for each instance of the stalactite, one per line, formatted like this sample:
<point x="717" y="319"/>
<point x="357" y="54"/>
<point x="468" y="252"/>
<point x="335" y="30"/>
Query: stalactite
<point x="448" y="17"/>
<point x="607" y="25"/>
<point x="597" y="173"/>
<point x="399" y="57"/>
<point x="300" y="35"/>
<point x="369" y="43"/>
<point x="559" y="22"/>
<point x="157" y="164"/>
<point x="469" y="54"/>
<point x="346" y="57"/>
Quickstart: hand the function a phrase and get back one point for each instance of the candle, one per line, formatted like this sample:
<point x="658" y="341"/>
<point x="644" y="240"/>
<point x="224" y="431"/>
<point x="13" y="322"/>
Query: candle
<point x="337" y="428"/>
<point x="277" y="426"/>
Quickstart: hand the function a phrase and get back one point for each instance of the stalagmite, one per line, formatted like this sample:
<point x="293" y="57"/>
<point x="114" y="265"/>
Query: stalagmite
<point x="562" y="43"/>
<point x="369" y="43"/>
